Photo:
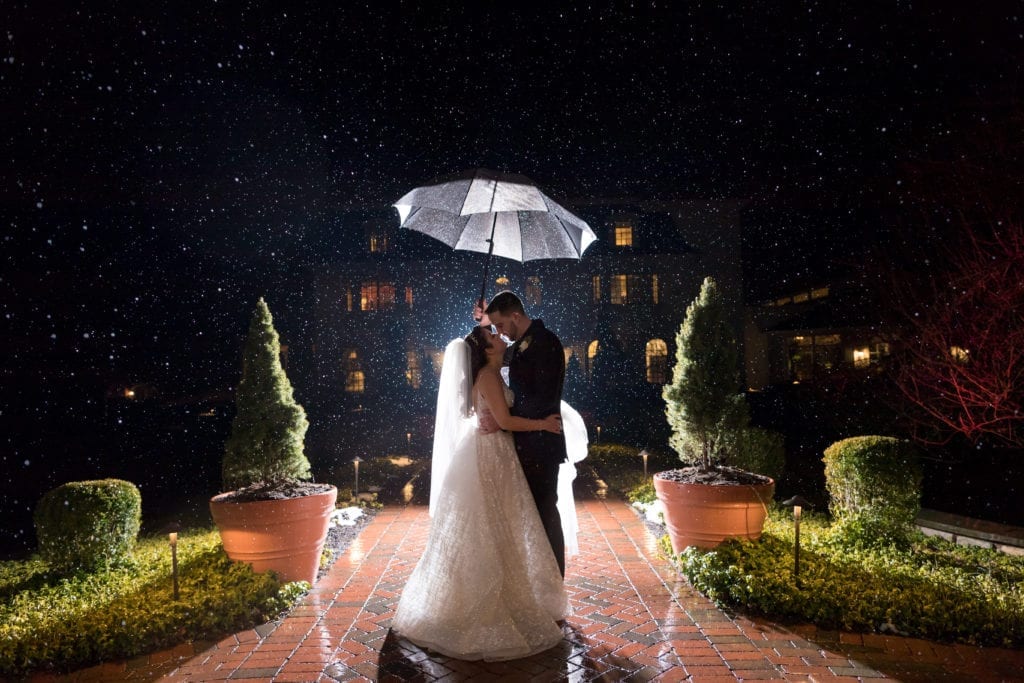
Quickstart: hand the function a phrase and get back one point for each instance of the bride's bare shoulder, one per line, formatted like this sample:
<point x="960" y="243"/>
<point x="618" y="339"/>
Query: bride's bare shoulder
<point x="488" y="382"/>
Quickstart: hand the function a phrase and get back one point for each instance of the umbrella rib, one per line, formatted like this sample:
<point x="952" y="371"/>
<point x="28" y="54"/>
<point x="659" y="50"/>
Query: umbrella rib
<point x="567" y="233"/>
<point x="415" y="210"/>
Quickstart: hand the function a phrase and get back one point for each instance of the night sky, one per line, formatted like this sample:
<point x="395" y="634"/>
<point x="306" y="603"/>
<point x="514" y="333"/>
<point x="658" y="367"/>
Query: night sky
<point x="167" y="163"/>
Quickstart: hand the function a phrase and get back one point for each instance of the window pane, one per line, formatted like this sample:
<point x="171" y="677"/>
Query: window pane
<point x="657" y="361"/>
<point x="356" y="382"/>
<point x="619" y="289"/>
<point x="623" y="235"/>
<point x="386" y="296"/>
<point x="413" y="370"/>
<point x="368" y="297"/>
<point x="379" y="240"/>
<point x="377" y="296"/>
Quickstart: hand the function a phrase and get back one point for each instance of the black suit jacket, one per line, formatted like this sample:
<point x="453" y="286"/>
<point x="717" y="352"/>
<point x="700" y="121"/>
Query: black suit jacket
<point x="536" y="375"/>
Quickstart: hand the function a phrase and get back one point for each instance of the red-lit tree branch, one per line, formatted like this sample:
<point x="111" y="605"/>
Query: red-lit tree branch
<point x="958" y="288"/>
<point x="961" y="366"/>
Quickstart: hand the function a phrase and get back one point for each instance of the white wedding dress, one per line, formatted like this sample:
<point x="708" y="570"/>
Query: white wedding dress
<point x="487" y="586"/>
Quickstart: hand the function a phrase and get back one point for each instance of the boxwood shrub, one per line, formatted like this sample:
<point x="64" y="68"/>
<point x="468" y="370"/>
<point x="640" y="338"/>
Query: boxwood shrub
<point x="874" y="484"/>
<point x="88" y="525"/>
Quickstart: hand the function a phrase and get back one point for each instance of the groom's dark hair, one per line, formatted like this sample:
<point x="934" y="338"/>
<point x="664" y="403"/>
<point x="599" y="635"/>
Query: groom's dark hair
<point x="505" y="303"/>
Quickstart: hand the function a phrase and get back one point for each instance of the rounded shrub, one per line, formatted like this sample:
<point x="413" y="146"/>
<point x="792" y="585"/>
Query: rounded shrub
<point x="88" y="525"/>
<point x="875" y="486"/>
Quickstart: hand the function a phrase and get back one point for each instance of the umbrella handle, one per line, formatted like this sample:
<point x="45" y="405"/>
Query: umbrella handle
<point x="483" y="288"/>
<point x="487" y="266"/>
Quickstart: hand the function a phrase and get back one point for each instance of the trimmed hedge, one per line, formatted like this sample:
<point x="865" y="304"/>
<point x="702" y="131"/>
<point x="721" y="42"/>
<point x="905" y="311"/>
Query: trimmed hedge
<point x="875" y="487"/>
<point x="88" y="525"/>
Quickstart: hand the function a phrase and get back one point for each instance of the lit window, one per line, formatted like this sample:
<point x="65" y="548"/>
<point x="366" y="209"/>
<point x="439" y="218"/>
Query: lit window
<point x="862" y="357"/>
<point x="597" y="288"/>
<point x="379" y="241"/>
<point x="408" y="297"/>
<point x="348" y="299"/>
<point x="413" y="369"/>
<point x="377" y="296"/>
<point x="654" y="288"/>
<point x="810" y="354"/>
<point x="501" y="281"/>
<point x="800" y="298"/>
<point x="819" y="293"/>
<point x="386" y="292"/>
<point x="533" y="290"/>
<point x="592" y="349"/>
<point x="623" y="235"/>
<point x="619" y="289"/>
<point x="657" y="361"/>
<point x="960" y="354"/>
<point x="368" y="297"/>
<point x="356" y="382"/>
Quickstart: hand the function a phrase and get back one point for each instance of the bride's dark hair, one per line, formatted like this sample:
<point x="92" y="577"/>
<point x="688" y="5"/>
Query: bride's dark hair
<point x="478" y="345"/>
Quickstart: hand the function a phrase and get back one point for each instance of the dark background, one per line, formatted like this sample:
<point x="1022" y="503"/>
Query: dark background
<point x="166" y="164"/>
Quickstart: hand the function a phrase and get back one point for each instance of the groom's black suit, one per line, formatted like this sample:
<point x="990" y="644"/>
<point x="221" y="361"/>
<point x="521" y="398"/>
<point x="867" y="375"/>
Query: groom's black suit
<point x="536" y="375"/>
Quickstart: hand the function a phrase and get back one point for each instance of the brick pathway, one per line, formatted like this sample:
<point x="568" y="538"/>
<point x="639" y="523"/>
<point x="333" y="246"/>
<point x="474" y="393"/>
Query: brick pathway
<point x="635" y="620"/>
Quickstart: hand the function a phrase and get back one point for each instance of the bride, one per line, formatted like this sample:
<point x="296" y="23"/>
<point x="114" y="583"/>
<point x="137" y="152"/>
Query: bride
<point x="488" y="585"/>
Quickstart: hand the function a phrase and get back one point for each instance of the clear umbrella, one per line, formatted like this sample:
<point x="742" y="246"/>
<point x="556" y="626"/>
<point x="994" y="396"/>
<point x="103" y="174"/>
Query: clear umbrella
<point x="497" y="214"/>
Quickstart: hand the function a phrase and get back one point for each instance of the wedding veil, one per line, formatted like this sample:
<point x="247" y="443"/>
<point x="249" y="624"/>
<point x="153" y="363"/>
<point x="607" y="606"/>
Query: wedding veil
<point x="454" y="417"/>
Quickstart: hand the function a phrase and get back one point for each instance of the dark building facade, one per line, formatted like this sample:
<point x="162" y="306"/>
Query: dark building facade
<point x="384" y="315"/>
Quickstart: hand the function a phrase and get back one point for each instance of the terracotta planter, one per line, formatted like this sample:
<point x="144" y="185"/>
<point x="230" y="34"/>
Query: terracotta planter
<point x="285" y="536"/>
<point x="703" y="515"/>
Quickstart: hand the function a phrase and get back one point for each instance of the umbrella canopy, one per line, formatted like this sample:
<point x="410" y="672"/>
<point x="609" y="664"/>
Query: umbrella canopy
<point x="495" y="213"/>
<point x="466" y="212"/>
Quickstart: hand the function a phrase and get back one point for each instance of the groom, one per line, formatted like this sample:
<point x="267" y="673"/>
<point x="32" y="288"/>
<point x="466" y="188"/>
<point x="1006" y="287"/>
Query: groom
<point x="536" y="375"/>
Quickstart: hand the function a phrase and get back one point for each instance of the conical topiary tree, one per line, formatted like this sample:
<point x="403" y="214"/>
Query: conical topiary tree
<point x="703" y="403"/>
<point x="267" y="435"/>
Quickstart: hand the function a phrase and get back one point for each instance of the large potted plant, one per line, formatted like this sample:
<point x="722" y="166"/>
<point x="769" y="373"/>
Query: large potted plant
<point x="273" y="516"/>
<point x="707" y="501"/>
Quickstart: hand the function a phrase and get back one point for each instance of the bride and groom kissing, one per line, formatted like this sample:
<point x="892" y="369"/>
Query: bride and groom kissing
<point x="489" y="584"/>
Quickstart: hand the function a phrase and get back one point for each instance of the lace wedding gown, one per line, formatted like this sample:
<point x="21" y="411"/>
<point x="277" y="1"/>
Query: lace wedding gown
<point x="487" y="585"/>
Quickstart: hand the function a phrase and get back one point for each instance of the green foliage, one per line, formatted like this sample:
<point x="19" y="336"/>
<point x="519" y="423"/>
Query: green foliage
<point x="703" y="404"/>
<point x="875" y="488"/>
<point x="760" y="451"/>
<point x="622" y="467"/>
<point x="88" y="525"/>
<point x="61" y="623"/>
<point x="269" y="429"/>
<point x="642" y="493"/>
<point x="927" y="588"/>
